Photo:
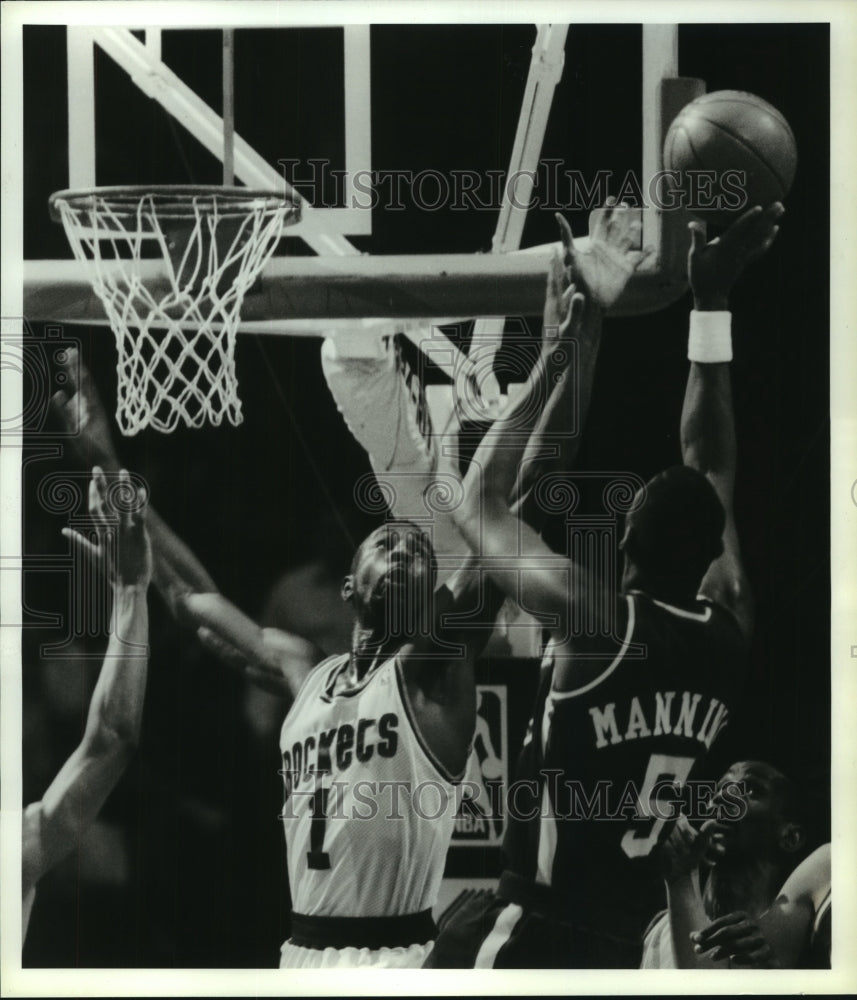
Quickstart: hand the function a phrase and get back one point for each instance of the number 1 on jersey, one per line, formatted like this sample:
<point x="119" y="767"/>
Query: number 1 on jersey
<point x="316" y="857"/>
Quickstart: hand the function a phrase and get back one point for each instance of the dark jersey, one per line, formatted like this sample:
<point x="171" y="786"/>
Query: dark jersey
<point x="596" y="773"/>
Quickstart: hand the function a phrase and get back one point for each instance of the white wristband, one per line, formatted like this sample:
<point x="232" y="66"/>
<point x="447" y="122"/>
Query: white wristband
<point x="710" y="338"/>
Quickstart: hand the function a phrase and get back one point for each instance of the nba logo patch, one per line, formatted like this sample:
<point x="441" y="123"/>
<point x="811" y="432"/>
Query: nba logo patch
<point x="479" y="821"/>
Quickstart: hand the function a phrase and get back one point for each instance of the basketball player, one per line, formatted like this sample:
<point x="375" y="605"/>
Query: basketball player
<point x="398" y="712"/>
<point x="373" y="750"/>
<point x="54" y="826"/>
<point x="795" y="932"/>
<point x="749" y="850"/>
<point x="375" y="744"/>
<point x="640" y="697"/>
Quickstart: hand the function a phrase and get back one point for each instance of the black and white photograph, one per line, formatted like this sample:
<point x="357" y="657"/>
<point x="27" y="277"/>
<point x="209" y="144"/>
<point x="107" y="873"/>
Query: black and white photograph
<point x="429" y="491"/>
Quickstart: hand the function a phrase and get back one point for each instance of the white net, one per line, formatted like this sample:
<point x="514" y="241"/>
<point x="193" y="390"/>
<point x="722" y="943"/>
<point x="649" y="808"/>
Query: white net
<point x="172" y="268"/>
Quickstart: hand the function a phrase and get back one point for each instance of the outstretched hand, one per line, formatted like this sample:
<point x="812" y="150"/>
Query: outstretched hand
<point x="122" y="548"/>
<point x="564" y="305"/>
<point x="736" y="938"/>
<point x="602" y="270"/>
<point x="714" y="267"/>
<point x="80" y="409"/>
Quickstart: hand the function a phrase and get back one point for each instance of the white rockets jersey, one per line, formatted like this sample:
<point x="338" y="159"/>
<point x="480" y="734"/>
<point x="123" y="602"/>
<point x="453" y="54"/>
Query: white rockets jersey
<point x="368" y="811"/>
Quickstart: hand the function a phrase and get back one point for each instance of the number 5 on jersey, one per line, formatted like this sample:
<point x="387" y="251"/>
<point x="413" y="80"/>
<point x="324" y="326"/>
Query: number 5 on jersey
<point x="638" y="841"/>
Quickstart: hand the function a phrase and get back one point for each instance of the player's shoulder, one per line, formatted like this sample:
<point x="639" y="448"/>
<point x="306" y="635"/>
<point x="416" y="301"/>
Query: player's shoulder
<point x="656" y="634"/>
<point x="811" y="879"/>
<point x="702" y="619"/>
<point x="580" y="663"/>
<point x="700" y="610"/>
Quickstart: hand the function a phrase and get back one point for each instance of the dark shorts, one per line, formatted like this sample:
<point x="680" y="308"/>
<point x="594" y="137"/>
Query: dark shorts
<point x="482" y="929"/>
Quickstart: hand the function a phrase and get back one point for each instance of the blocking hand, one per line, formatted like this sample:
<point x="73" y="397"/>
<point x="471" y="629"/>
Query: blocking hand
<point x="83" y="415"/>
<point x="122" y="549"/>
<point x="603" y="269"/>
<point x="714" y="267"/>
<point x="563" y="305"/>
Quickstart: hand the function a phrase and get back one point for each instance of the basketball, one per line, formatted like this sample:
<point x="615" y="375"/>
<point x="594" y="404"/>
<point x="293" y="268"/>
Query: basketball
<point x="746" y="143"/>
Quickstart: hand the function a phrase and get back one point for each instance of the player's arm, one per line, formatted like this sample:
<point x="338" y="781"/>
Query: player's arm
<point x="530" y="572"/>
<point x="176" y="570"/>
<point x="439" y="670"/>
<point x="679" y="856"/>
<point x="788" y="923"/>
<point x="707" y="421"/>
<point x="53" y="826"/>
<point x="778" y="939"/>
<point x="515" y="557"/>
<point x="600" y="274"/>
<point x="274" y="660"/>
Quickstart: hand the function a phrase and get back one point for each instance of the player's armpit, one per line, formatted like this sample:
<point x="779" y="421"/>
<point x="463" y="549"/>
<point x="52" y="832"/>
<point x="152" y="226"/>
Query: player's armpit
<point x="442" y="698"/>
<point x="726" y="583"/>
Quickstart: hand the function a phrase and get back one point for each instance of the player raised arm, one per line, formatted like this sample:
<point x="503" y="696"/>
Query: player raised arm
<point x="274" y="660"/>
<point x="53" y="826"/>
<point x="485" y="519"/>
<point x="600" y="273"/>
<point x="176" y="570"/>
<point x="707" y="422"/>
<point x="667" y="943"/>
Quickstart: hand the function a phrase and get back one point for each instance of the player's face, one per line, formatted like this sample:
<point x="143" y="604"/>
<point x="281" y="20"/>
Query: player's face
<point x="394" y="566"/>
<point x="751" y="786"/>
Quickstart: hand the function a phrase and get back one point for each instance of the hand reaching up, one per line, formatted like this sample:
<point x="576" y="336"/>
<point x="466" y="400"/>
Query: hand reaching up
<point x="602" y="270"/>
<point x="122" y="548"/>
<point x="714" y="267"/>
<point x="83" y="415"/>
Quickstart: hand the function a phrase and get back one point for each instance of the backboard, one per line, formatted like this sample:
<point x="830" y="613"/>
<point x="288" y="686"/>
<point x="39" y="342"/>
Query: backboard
<point x="160" y="95"/>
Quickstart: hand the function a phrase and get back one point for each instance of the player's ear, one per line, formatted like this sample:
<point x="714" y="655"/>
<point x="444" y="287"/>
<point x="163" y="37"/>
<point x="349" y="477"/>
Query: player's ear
<point x="347" y="588"/>
<point x="792" y="837"/>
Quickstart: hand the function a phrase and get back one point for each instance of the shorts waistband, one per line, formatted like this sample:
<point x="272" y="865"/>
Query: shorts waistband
<point x="362" y="932"/>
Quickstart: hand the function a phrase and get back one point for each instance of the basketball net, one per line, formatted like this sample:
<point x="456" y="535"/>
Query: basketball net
<point x="175" y="336"/>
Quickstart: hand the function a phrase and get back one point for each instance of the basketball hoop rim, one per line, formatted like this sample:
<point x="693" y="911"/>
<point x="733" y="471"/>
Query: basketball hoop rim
<point x="175" y="201"/>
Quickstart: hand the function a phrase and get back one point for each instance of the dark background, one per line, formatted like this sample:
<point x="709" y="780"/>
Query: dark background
<point x="204" y="883"/>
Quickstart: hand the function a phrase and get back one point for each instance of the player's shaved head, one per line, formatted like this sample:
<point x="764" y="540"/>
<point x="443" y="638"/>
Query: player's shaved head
<point x="399" y="528"/>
